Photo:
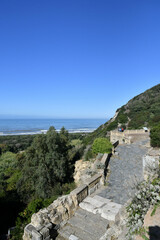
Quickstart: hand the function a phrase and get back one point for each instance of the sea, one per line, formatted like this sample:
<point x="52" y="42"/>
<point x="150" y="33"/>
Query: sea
<point x="38" y="126"/>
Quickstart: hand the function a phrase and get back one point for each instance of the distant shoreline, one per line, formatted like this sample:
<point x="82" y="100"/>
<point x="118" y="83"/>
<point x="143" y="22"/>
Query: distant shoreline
<point x="29" y="132"/>
<point x="10" y="127"/>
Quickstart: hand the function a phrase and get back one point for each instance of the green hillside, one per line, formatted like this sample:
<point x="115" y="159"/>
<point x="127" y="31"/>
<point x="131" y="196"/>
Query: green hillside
<point x="142" y="110"/>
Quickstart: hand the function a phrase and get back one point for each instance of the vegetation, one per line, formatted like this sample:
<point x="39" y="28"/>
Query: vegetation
<point x="15" y="143"/>
<point x="155" y="136"/>
<point x="101" y="145"/>
<point x="142" y="110"/>
<point x="35" y="174"/>
<point x="148" y="194"/>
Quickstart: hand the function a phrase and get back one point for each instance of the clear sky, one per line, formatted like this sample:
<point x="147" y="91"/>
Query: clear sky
<point x="76" y="58"/>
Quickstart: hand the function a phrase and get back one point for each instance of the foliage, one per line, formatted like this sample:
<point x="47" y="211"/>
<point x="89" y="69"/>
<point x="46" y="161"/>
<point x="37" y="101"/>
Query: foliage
<point x="15" y="143"/>
<point x="88" y="155"/>
<point x="155" y="136"/>
<point x="112" y="125"/>
<point x="8" y="172"/>
<point x="34" y="206"/>
<point x="39" y="175"/>
<point x="148" y="194"/>
<point x="48" y="161"/>
<point x="101" y="145"/>
<point x="142" y="110"/>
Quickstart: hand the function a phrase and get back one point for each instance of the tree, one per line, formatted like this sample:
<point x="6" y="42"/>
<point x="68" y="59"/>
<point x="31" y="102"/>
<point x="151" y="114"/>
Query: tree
<point x="46" y="164"/>
<point x="155" y="136"/>
<point x="101" y="145"/>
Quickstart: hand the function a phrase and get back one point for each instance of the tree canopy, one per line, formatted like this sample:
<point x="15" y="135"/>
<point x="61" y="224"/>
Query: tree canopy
<point x="46" y="163"/>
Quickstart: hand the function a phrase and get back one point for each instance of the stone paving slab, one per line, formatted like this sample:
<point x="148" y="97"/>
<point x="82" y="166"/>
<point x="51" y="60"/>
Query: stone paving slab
<point x="126" y="170"/>
<point x="94" y="202"/>
<point x="101" y="199"/>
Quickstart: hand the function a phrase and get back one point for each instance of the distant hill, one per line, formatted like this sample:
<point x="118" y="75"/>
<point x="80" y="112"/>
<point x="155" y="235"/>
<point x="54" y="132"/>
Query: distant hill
<point x="142" y="110"/>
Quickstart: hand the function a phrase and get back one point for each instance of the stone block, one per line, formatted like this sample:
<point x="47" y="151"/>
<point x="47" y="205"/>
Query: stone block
<point x="109" y="215"/>
<point x="86" y="206"/>
<point x="104" y="158"/>
<point x="47" y="238"/>
<point x="49" y="225"/>
<point x="101" y="199"/>
<point x="93" y="202"/>
<point x="36" y="235"/>
<point x="72" y="237"/>
<point x="45" y="232"/>
<point x="29" y="228"/>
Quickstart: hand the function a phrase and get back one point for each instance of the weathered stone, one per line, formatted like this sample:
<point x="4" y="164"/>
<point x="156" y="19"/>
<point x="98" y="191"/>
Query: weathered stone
<point x="49" y="225"/>
<point x="93" y="202"/>
<point x="29" y="228"/>
<point x="101" y="199"/>
<point x="28" y="232"/>
<point x="104" y="158"/>
<point x="36" y="235"/>
<point x="72" y="237"/>
<point x="37" y="220"/>
<point x="55" y="219"/>
<point x="47" y="238"/>
<point x="44" y="232"/>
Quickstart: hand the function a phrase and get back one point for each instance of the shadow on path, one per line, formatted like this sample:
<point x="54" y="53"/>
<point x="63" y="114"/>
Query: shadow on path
<point x="154" y="233"/>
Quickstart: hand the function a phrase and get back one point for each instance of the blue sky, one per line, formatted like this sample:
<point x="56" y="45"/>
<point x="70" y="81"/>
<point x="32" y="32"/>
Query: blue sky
<point x="76" y="58"/>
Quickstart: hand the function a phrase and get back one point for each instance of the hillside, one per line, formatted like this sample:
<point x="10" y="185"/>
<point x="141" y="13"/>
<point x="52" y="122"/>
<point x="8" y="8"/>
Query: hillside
<point x="142" y="110"/>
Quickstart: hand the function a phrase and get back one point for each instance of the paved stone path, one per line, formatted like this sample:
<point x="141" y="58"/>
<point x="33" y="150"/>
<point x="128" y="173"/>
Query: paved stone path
<point x="125" y="172"/>
<point x="91" y="219"/>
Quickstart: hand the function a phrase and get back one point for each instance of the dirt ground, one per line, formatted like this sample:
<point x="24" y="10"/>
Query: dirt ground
<point x="153" y="223"/>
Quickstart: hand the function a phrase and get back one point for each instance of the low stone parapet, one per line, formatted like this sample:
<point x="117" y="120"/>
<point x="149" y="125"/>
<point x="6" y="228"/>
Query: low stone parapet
<point x="94" y="183"/>
<point x="60" y="210"/>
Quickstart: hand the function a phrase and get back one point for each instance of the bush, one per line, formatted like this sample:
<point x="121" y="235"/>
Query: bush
<point x="88" y="155"/>
<point x="148" y="194"/>
<point x="101" y="145"/>
<point x="155" y="136"/>
<point x="112" y="126"/>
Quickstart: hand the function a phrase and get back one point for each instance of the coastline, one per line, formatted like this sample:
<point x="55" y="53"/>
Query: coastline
<point x="30" y="132"/>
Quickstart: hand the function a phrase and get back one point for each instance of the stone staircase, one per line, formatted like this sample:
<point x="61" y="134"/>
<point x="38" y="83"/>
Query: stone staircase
<point x="91" y="219"/>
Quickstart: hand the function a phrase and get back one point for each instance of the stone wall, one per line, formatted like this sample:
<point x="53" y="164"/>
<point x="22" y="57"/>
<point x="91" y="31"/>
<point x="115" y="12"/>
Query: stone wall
<point x="45" y="223"/>
<point x="84" y="170"/>
<point x="151" y="163"/>
<point x="128" y="136"/>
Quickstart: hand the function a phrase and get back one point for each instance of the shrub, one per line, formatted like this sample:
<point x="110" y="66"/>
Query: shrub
<point x="155" y="136"/>
<point x="101" y="145"/>
<point x="113" y="125"/>
<point x="148" y="195"/>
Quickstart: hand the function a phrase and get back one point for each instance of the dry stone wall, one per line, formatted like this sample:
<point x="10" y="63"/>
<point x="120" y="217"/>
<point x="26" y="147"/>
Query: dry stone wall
<point x="48" y="219"/>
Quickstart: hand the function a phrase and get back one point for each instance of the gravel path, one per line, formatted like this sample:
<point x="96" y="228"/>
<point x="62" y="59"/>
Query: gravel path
<point x="125" y="172"/>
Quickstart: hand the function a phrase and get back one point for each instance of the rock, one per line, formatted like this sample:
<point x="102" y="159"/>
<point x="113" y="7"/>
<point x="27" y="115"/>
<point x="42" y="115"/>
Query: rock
<point x="36" y="235"/>
<point x="44" y="232"/>
<point x="72" y="237"/>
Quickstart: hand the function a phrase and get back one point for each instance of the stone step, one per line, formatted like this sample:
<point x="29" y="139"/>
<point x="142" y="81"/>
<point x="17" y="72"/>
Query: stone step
<point x="69" y="230"/>
<point x="110" y="211"/>
<point x="94" y="202"/>
<point x="93" y="218"/>
<point x="102" y="199"/>
<point x="87" y="226"/>
<point x="99" y="205"/>
<point x="59" y="237"/>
